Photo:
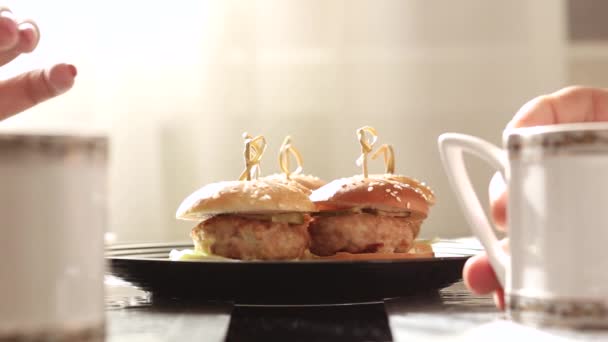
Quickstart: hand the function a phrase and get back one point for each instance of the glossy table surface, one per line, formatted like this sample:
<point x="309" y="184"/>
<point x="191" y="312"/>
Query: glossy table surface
<point x="452" y="314"/>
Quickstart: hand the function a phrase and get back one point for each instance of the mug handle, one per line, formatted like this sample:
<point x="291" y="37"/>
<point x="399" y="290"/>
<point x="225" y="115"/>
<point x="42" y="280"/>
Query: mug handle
<point x="451" y="148"/>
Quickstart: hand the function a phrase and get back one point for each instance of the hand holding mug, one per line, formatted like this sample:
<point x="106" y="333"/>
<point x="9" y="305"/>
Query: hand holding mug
<point x="569" y="105"/>
<point x="554" y="161"/>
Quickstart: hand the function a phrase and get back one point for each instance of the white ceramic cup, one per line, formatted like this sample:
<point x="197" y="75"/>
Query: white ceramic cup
<point x="52" y="221"/>
<point x="557" y="218"/>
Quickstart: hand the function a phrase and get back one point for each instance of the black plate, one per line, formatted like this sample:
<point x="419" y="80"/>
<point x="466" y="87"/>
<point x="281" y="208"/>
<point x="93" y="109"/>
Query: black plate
<point x="285" y="282"/>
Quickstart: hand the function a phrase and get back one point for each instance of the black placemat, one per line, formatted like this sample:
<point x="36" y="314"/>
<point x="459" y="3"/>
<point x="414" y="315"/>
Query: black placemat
<point x="361" y="322"/>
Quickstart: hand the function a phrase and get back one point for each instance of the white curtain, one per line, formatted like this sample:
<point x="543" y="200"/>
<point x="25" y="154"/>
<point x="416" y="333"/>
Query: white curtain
<point x="177" y="83"/>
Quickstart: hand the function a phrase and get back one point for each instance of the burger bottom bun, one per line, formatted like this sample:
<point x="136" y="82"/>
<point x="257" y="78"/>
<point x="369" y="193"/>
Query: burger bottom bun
<point x="362" y="233"/>
<point x="248" y="239"/>
<point x="419" y="250"/>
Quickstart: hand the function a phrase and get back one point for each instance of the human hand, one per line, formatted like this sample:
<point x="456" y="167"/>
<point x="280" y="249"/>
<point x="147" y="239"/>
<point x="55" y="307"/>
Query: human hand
<point x="28" y="89"/>
<point x="568" y="105"/>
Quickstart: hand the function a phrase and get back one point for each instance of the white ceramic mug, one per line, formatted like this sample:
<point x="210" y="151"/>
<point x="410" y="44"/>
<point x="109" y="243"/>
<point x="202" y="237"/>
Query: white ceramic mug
<point x="52" y="220"/>
<point x="557" y="217"/>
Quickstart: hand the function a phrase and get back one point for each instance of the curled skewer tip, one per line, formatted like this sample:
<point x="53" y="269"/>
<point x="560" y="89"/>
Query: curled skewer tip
<point x="389" y="157"/>
<point x="254" y="149"/>
<point x="287" y="150"/>
<point x="367" y="145"/>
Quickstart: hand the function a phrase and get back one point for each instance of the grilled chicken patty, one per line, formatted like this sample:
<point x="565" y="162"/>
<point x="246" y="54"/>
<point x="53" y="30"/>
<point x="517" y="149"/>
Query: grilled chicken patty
<point x="362" y="233"/>
<point x="245" y="238"/>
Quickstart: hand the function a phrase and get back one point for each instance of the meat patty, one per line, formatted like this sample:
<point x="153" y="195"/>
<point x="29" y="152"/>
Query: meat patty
<point x="362" y="233"/>
<point x="243" y="238"/>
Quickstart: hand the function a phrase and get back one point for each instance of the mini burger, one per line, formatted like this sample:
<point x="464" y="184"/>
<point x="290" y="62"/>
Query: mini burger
<point x="249" y="219"/>
<point x="366" y="215"/>
<point x="369" y="214"/>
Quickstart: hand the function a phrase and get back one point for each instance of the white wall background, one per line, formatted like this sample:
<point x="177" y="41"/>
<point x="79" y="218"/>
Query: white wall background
<point x="176" y="83"/>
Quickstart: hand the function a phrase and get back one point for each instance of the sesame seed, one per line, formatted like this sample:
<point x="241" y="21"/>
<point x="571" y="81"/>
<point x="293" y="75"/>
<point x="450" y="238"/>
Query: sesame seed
<point x="397" y="186"/>
<point x="388" y="190"/>
<point x="370" y="189"/>
<point x="399" y="199"/>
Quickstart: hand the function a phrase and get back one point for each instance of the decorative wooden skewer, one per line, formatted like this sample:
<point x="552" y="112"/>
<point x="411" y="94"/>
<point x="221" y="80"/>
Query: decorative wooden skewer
<point x="367" y="145"/>
<point x="254" y="149"/>
<point x="285" y="152"/>
<point x="389" y="157"/>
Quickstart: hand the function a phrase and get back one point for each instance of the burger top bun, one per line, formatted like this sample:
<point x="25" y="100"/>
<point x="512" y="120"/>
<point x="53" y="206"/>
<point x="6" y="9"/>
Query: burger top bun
<point x="377" y="193"/>
<point x="249" y="196"/>
<point x="415" y="184"/>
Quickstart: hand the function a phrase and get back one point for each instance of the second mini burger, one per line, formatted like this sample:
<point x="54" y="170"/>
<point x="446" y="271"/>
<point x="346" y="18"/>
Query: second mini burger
<point x="368" y="214"/>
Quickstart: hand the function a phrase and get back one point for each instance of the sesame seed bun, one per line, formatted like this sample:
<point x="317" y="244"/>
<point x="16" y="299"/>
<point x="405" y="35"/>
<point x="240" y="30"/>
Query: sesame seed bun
<point x="253" y="197"/>
<point x="377" y="193"/>
<point x="414" y="184"/>
<point x="308" y="182"/>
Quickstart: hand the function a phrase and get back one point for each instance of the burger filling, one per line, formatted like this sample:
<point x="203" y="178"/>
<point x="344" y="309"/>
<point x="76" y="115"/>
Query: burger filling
<point x="291" y="218"/>
<point x="363" y="230"/>
<point x="254" y="236"/>
<point x="359" y="210"/>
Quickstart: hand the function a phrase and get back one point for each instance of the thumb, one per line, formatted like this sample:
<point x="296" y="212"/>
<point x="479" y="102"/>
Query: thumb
<point x="31" y="88"/>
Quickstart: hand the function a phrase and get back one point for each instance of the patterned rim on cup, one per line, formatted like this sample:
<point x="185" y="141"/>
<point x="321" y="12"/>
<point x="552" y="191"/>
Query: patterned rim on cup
<point x="577" y="313"/>
<point x="580" y="138"/>
<point x="57" y="146"/>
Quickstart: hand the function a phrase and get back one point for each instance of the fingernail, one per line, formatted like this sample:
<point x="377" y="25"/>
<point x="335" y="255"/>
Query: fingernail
<point x="6" y="13"/>
<point x="73" y="70"/>
<point x="29" y="36"/>
<point x="60" y="78"/>
<point x="29" y="25"/>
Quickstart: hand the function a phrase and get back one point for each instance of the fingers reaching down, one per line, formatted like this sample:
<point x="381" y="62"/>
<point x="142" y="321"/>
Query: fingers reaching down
<point x="16" y="37"/>
<point x="28" y="89"/>
<point x="9" y="32"/>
